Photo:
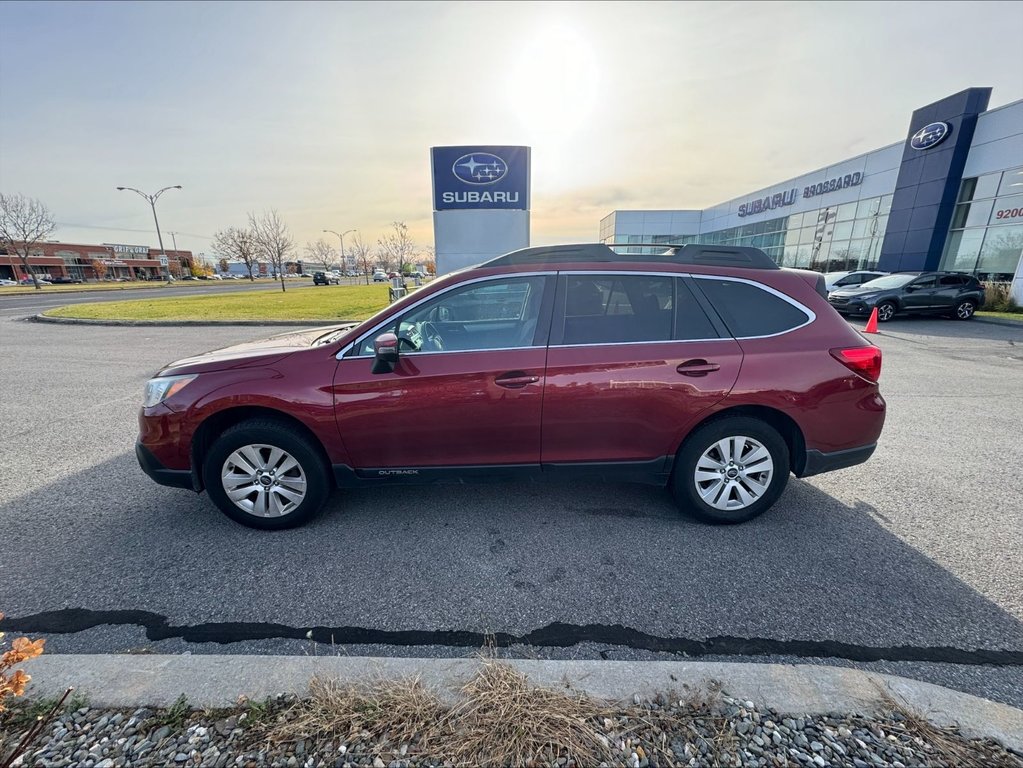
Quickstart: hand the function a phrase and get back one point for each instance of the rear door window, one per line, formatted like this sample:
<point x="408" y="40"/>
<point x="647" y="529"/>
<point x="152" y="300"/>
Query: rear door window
<point x="750" y="310"/>
<point x="615" y="309"/>
<point x="622" y="309"/>
<point x="952" y="281"/>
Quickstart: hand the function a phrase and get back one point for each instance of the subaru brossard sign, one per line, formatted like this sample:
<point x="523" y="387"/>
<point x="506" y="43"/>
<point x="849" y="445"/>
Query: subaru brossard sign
<point x="480" y="177"/>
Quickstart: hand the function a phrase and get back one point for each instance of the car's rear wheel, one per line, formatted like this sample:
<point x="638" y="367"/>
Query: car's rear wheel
<point x="266" y="475"/>
<point x="965" y="310"/>
<point x="885" y="311"/>
<point x="730" y="470"/>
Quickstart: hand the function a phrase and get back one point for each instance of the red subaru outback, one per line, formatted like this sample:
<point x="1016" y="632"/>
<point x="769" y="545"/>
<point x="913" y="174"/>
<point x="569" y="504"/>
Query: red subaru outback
<point x="706" y="369"/>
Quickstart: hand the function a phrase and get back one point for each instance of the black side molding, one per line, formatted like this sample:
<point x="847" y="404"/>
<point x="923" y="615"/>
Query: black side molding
<point x="653" y="472"/>
<point x="174" y="478"/>
<point x="817" y="462"/>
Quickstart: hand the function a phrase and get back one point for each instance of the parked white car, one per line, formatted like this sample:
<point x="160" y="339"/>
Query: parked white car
<point x="836" y="280"/>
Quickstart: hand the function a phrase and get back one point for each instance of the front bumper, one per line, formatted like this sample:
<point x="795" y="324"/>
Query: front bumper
<point x="853" y="306"/>
<point x="175" y="478"/>
<point x="818" y="462"/>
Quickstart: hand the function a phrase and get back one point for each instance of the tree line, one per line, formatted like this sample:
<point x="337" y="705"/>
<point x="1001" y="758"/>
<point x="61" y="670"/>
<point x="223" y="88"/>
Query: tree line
<point x="264" y="238"/>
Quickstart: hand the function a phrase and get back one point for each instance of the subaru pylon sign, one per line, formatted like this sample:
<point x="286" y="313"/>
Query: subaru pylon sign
<point x="480" y="178"/>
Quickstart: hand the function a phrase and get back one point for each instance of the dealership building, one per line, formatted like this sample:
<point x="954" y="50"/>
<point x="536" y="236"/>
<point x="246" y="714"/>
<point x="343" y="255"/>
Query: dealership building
<point x="948" y="196"/>
<point x="81" y="262"/>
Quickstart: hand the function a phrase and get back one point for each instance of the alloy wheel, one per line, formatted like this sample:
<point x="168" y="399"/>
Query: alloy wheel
<point x="965" y="311"/>
<point x="885" y="312"/>
<point x="733" y="473"/>
<point x="263" y="480"/>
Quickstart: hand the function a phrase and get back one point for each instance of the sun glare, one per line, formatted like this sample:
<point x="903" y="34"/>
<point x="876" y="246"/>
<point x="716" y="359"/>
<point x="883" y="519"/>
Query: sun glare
<point x="553" y="85"/>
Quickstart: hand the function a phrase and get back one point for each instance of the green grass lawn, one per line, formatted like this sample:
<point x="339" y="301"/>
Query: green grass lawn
<point x="15" y="290"/>
<point x="1017" y="316"/>
<point x="326" y="303"/>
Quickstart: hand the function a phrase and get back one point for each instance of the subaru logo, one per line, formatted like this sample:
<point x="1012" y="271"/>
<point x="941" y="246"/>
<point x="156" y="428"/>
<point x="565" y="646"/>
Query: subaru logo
<point x="480" y="168"/>
<point x="930" y="135"/>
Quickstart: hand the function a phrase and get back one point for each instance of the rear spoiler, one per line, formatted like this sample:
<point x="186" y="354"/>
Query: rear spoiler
<point x="816" y="279"/>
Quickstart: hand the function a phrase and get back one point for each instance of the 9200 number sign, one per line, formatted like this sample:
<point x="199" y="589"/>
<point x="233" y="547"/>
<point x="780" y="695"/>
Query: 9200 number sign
<point x="831" y="185"/>
<point x="1009" y="213"/>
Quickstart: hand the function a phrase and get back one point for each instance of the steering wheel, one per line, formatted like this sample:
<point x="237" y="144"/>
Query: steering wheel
<point x="431" y="336"/>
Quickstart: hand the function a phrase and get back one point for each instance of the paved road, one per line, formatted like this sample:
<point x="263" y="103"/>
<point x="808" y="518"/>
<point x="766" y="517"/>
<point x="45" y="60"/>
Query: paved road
<point x="913" y="558"/>
<point x="39" y="301"/>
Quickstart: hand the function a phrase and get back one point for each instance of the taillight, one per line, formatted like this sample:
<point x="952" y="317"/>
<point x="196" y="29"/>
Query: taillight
<point x="866" y="361"/>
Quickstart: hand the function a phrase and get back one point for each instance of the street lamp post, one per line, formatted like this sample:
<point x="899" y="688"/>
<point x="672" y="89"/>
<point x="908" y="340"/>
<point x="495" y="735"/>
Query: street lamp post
<point x="151" y="199"/>
<point x="341" y="237"/>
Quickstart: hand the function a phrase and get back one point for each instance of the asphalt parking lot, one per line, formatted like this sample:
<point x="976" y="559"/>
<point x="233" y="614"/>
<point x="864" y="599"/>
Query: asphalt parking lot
<point x="910" y="563"/>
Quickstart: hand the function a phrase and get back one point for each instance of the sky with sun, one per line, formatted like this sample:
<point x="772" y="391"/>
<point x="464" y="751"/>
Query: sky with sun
<point x="327" y="111"/>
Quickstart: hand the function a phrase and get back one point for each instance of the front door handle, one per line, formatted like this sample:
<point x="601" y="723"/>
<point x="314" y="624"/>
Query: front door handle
<point x="515" y="380"/>
<point x="697" y="367"/>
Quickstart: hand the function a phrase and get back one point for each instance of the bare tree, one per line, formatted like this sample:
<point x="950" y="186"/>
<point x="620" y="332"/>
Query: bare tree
<point x="361" y="254"/>
<point x="273" y="240"/>
<point x="238" y="244"/>
<point x="322" y="252"/>
<point x="24" y="223"/>
<point x="397" y="247"/>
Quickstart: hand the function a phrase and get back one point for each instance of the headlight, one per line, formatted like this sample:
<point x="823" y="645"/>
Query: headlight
<point x="158" y="390"/>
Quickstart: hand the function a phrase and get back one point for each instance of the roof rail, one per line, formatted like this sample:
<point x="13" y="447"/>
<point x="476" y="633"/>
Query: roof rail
<point x="692" y="253"/>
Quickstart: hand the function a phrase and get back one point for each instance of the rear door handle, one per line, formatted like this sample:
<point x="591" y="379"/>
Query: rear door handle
<point x="515" y="380"/>
<point x="697" y="368"/>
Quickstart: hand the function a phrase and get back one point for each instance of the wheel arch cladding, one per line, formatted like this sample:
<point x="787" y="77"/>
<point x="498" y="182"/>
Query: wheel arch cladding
<point x="782" y="423"/>
<point x="216" y="424"/>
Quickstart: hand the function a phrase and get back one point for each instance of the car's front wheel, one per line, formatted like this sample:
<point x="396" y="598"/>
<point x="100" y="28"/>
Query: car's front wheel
<point x="265" y="474"/>
<point x="965" y="309"/>
<point x="730" y="470"/>
<point x="885" y="311"/>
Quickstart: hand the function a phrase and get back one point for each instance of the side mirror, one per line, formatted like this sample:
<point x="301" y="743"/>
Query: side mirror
<point x="385" y="347"/>
<point x="910" y="288"/>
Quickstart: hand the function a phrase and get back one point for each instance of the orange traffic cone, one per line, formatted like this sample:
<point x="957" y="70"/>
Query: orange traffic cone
<point x="872" y="322"/>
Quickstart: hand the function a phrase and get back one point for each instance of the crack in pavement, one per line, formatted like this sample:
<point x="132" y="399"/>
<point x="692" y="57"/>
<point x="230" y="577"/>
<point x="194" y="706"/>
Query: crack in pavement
<point x="557" y="635"/>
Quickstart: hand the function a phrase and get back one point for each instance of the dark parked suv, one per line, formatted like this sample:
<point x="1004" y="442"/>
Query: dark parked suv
<point x="706" y="369"/>
<point x="325" y="278"/>
<point x="936" y="293"/>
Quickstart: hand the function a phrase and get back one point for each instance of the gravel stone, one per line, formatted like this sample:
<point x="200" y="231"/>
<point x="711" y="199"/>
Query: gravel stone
<point x="651" y="735"/>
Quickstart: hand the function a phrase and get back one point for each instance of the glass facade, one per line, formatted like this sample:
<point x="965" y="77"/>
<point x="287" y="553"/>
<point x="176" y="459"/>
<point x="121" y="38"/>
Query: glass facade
<point x="839" y="237"/>
<point x="986" y="235"/>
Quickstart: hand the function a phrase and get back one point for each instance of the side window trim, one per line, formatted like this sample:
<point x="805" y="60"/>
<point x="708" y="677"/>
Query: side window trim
<point x="350" y="350"/>
<point x="707" y="307"/>
<point x="809" y="313"/>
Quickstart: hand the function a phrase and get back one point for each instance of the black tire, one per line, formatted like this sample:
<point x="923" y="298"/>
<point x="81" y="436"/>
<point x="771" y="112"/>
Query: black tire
<point x="684" y="484"/>
<point x="267" y="432"/>
<point x="886" y="311"/>
<point x="965" y="310"/>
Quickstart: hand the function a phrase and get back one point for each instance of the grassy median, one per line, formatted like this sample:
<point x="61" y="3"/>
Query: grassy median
<point x="1017" y="316"/>
<point x="18" y="290"/>
<point x="326" y="303"/>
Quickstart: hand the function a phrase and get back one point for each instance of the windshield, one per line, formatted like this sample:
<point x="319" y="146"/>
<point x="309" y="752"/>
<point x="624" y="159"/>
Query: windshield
<point x="889" y="281"/>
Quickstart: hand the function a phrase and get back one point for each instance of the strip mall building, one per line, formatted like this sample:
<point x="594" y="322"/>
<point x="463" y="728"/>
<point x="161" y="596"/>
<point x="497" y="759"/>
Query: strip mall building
<point x="134" y="262"/>
<point x="948" y="196"/>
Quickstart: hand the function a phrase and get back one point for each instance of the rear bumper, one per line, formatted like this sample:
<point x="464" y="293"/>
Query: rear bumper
<point x="175" y="478"/>
<point x="818" y="462"/>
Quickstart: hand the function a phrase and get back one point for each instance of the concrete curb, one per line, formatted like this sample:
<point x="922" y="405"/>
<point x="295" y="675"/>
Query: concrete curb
<point x="128" y="681"/>
<point x="193" y="323"/>
<point x="1000" y="321"/>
